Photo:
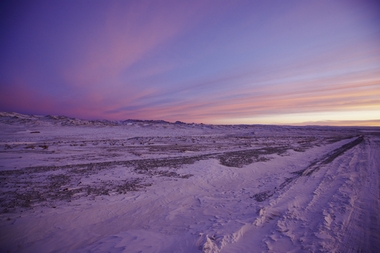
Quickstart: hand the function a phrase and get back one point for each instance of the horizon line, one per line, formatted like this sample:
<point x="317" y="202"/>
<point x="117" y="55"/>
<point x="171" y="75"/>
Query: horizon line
<point x="375" y="123"/>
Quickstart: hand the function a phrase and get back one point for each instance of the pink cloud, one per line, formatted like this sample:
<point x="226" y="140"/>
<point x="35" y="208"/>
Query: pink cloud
<point x="20" y="98"/>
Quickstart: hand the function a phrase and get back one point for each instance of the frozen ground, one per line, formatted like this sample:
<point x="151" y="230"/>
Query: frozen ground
<point x="69" y="185"/>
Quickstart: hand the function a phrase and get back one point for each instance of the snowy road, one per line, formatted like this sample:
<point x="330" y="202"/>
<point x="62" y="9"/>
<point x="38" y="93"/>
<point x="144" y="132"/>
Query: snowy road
<point x="334" y="209"/>
<point x="160" y="187"/>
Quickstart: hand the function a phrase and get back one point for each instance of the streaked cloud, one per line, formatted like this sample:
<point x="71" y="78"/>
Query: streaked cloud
<point x="198" y="61"/>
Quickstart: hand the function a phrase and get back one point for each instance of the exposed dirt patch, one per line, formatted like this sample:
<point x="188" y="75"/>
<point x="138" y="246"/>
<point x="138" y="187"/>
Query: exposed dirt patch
<point x="49" y="185"/>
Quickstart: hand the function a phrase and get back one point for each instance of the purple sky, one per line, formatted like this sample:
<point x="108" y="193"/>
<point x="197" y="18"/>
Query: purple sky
<point x="276" y="62"/>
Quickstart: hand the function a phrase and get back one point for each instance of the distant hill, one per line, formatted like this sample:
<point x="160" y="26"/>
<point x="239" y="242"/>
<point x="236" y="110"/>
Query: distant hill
<point x="39" y="120"/>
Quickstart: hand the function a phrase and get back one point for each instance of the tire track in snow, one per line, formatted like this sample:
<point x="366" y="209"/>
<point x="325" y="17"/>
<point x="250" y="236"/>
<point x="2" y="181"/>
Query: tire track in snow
<point x="342" y="215"/>
<point x="313" y="167"/>
<point x="362" y="231"/>
<point x="312" y="213"/>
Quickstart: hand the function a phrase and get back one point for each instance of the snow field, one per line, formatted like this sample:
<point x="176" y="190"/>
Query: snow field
<point x="154" y="187"/>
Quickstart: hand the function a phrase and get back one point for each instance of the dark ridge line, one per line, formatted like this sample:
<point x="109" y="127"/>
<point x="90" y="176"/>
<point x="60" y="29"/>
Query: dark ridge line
<point x="159" y="162"/>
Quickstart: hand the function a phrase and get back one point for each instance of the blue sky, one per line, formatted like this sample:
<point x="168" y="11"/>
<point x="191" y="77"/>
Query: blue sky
<point x="230" y="62"/>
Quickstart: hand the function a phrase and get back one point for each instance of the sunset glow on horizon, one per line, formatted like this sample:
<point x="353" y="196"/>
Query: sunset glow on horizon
<point x="218" y="62"/>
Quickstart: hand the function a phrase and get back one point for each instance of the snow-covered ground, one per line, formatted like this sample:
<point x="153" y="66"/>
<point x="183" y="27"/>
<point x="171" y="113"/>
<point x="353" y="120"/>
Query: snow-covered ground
<point x="70" y="185"/>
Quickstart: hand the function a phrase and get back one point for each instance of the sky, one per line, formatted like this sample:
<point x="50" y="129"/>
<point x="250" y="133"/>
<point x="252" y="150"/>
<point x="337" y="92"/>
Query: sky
<point x="217" y="62"/>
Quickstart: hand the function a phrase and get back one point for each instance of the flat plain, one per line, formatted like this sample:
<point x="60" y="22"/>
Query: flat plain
<point x="70" y="185"/>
